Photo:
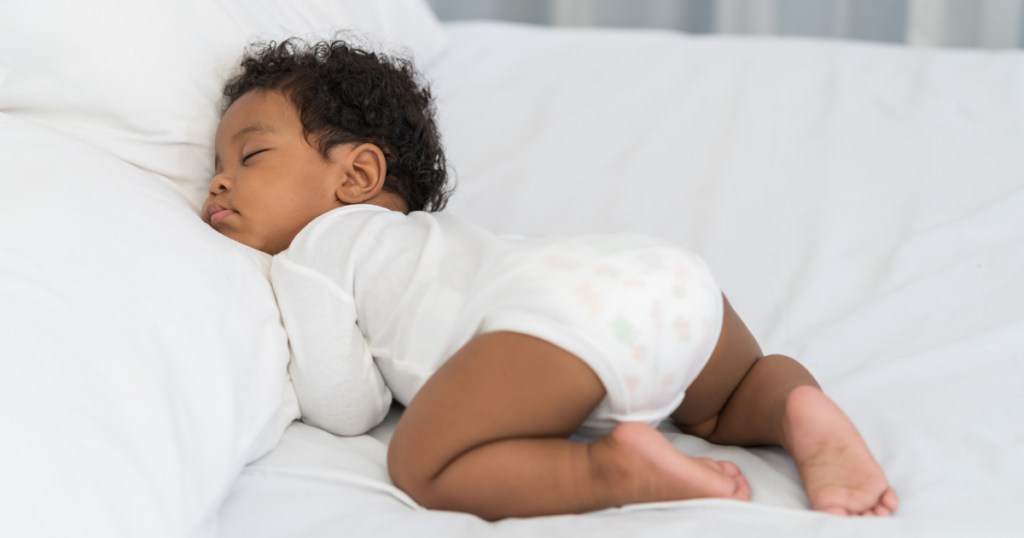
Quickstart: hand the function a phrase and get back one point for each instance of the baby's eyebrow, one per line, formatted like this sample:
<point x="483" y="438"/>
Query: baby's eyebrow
<point x="256" y="127"/>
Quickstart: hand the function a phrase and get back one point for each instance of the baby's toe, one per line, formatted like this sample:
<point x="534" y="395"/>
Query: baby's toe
<point x="889" y="500"/>
<point x="729" y="468"/>
<point x="835" y="510"/>
<point x="742" y="492"/>
<point x="880" y="509"/>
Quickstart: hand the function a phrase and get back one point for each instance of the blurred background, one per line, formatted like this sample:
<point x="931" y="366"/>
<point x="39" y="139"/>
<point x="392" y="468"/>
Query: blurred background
<point x="951" y="23"/>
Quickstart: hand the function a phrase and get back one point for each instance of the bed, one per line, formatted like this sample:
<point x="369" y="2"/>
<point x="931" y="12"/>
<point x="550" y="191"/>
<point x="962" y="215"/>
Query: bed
<point x="861" y="205"/>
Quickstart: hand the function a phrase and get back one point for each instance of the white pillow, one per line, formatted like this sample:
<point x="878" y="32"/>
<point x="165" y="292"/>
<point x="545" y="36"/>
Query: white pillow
<point x="142" y="353"/>
<point x="141" y="80"/>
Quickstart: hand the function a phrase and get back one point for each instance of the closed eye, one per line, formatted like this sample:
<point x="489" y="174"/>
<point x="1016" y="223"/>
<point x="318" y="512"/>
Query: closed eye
<point x="251" y="154"/>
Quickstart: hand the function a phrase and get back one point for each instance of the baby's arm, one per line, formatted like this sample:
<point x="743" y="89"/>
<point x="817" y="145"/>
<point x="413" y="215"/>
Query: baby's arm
<point x="336" y="380"/>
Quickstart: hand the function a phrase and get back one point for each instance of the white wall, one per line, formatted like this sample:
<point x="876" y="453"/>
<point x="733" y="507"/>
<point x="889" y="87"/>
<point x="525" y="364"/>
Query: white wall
<point x="958" y="23"/>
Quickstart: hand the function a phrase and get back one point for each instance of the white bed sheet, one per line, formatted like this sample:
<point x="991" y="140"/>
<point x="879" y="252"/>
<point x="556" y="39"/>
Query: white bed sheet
<point x="861" y="205"/>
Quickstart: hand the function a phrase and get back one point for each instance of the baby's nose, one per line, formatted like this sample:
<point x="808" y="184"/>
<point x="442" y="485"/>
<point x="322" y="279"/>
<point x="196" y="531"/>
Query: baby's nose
<point x="220" y="183"/>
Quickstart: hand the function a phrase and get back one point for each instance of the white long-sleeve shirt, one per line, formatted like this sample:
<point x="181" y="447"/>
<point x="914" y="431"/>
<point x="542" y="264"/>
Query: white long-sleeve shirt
<point x="412" y="280"/>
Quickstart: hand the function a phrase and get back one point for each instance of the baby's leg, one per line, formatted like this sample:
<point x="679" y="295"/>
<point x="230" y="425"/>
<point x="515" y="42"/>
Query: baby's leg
<point x="487" y="434"/>
<point x="742" y="398"/>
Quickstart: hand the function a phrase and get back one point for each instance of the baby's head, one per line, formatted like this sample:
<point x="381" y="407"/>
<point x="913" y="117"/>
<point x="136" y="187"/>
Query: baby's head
<point x="308" y="128"/>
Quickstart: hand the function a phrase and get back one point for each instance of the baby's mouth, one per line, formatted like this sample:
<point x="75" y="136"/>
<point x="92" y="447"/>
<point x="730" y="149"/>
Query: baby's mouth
<point x="219" y="213"/>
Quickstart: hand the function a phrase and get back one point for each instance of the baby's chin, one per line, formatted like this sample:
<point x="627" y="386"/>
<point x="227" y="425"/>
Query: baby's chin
<point x="264" y="245"/>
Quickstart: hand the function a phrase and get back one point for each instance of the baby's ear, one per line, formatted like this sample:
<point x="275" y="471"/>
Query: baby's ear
<point x="363" y="169"/>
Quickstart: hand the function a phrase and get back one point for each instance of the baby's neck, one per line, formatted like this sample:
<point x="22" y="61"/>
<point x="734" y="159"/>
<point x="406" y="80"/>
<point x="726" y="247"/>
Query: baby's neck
<point x="388" y="200"/>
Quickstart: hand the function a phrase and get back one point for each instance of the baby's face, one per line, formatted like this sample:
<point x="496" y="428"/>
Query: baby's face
<point x="269" y="183"/>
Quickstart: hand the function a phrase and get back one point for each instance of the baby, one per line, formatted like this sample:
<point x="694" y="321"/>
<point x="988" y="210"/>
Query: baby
<point x="504" y="351"/>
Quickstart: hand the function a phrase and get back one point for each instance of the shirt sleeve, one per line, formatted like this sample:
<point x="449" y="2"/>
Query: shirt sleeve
<point x="339" y="387"/>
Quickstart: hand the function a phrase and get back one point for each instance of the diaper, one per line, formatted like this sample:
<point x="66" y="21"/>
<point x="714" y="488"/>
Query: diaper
<point x="644" y="314"/>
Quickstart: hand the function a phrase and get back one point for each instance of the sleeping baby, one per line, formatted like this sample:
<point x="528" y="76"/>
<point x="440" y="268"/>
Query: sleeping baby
<point x="533" y="371"/>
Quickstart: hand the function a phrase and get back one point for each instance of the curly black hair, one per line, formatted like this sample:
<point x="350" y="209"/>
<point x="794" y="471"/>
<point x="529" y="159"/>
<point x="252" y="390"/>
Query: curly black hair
<point x="345" y="94"/>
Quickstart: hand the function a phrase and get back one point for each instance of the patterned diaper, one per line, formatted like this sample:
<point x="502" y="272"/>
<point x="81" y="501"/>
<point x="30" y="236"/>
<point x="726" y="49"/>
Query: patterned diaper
<point x="643" y="313"/>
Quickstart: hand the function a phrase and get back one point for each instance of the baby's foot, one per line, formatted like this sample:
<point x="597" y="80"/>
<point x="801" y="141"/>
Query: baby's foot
<point x="839" y="473"/>
<point x="639" y="464"/>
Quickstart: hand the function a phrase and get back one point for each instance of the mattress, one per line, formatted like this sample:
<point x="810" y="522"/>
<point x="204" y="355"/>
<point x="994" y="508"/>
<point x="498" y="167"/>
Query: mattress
<point x="862" y="206"/>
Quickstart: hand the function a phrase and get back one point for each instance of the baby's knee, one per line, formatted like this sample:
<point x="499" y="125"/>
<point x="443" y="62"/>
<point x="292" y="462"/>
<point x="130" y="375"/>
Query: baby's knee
<point x="416" y="465"/>
<point x="409" y="469"/>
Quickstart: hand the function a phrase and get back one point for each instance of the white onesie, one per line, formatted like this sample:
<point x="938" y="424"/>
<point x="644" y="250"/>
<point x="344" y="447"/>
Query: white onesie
<point x="375" y="301"/>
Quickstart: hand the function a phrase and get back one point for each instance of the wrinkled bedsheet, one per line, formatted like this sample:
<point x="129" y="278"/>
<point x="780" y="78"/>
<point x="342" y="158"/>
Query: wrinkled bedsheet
<point x="862" y="206"/>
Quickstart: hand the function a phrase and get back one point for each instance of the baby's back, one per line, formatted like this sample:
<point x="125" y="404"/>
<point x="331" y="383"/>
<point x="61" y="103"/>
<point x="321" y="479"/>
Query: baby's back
<point x="410" y="278"/>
